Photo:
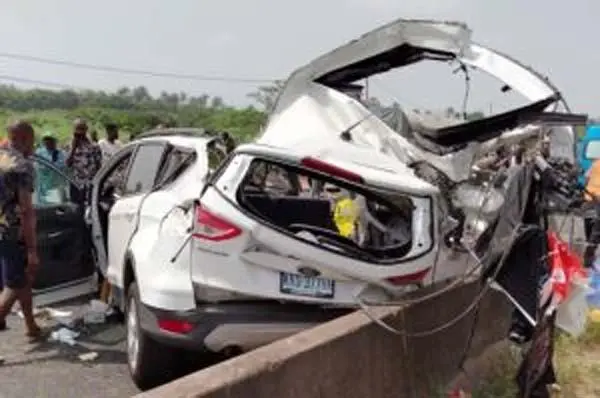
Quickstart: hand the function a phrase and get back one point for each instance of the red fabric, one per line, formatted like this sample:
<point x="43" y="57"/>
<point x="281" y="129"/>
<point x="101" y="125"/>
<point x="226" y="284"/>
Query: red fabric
<point x="565" y="266"/>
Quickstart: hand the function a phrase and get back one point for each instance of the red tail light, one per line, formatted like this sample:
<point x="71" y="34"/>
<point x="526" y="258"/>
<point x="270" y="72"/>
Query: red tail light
<point x="175" y="326"/>
<point x="409" y="278"/>
<point x="214" y="228"/>
<point x="326" y="168"/>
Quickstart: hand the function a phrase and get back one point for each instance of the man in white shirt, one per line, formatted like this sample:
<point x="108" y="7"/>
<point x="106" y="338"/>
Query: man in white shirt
<point x="111" y="144"/>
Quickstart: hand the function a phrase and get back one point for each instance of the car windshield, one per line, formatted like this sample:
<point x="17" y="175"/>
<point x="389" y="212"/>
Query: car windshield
<point x="592" y="150"/>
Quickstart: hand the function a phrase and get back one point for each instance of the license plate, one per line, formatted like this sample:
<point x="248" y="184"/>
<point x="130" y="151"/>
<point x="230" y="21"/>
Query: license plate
<point x="300" y="285"/>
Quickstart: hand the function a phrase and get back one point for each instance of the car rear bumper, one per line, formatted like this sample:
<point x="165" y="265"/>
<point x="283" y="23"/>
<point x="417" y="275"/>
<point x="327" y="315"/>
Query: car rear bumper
<point x="238" y="325"/>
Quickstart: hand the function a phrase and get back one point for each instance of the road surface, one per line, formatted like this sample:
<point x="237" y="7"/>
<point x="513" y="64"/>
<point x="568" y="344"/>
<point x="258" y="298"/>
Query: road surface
<point x="54" y="370"/>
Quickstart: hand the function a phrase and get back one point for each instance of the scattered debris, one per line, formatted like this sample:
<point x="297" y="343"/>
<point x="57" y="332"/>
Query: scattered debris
<point x="88" y="356"/>
<point x="61" y="316"/>
<point x="96" y="312"/>
<point x="37" y="313"/>
<point x="64" y="335"/>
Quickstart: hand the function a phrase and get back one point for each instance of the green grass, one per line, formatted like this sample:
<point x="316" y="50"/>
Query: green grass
<point x="59" y="122"/>
<point x="242" y="124"/>
<point x="577" y="362"/>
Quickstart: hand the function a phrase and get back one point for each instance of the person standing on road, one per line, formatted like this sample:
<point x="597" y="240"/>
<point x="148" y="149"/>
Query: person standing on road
<point x="111" y="144"/>
<point x="85" y="158"/>
<point x="18" y="244"/>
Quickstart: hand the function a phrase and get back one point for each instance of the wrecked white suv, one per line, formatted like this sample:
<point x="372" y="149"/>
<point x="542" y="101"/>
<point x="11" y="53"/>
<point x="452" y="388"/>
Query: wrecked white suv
<point x="329" y="209"/>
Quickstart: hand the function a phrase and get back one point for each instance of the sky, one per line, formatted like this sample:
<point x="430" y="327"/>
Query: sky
<point x="267" y="39"/>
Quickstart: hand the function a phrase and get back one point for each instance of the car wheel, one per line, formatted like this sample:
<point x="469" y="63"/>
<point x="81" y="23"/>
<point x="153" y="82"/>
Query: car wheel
<point x="150" y="363"/>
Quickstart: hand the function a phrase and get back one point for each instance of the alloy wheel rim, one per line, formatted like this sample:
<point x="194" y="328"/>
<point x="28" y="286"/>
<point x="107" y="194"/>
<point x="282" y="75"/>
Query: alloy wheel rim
<point x="133" y="342"/>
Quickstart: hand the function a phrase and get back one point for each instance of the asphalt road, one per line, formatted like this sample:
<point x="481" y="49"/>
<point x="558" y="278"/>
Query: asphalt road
<point x="52" y="369"/>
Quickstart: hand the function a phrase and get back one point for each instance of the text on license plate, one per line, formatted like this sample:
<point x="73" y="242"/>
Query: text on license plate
<point x="306" y="286"/>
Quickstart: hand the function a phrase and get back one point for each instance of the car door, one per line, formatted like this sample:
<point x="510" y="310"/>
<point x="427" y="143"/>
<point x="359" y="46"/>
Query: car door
<point x="66" y="263"/>
<point x="107" y="189"/>
<point x="276" y="254"/>
<point x="123" y="217"/>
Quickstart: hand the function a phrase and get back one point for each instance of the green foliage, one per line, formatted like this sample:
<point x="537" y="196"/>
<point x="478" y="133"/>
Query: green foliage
<point x="266" y="96"/>
<point x="134" y="110"/>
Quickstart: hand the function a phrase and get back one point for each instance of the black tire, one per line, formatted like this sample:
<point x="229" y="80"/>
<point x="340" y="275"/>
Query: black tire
<point x="154" y="363"/>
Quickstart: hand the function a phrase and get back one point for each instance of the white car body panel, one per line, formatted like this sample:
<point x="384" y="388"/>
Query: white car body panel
<point x="123" y="219"/>
<point x="162" y="283"/>
<point x="307" y="112"/>
<point x="237" y="266"/>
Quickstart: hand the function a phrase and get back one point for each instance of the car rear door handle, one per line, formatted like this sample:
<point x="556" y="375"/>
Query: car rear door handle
<point x="129" y="216"/>
<point x="60" y="212"/>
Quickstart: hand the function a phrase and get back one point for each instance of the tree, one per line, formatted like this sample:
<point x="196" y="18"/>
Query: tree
<point x="140" y="94"/>
<point x="217" y="103"/>
<point x="266" y="96"/>
<point x="133" y="109"/>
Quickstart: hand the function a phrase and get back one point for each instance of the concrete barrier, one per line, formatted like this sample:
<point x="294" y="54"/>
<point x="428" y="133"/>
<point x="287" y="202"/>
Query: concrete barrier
<point x="353" y="357"/>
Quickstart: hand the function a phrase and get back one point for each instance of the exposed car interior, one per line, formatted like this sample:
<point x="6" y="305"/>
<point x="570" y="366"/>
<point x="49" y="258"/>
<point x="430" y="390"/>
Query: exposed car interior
<point x="111" y="188"/>
<point x="338" y="217"/>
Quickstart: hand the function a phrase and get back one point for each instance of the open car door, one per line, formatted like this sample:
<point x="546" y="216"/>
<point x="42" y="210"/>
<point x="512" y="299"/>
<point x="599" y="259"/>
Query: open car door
<point x="274" y="225"/>
<point x="67" y="268"/>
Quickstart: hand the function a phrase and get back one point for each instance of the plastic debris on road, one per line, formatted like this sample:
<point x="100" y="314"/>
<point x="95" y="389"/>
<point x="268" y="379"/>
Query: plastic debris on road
<point x="65" y="336"/>
<point x="61" y="316"/>
<point x="88" y="356"/>
<point x="37" y="313"/>
<point x="96" y="312"/>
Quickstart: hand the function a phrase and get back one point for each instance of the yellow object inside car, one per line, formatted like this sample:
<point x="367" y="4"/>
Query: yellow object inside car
<point x="345" y="216"/>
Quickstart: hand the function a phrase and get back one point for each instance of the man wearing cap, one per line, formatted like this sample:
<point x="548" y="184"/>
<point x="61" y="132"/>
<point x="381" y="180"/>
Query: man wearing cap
<point x="85" y="158"/>
<point x="18" y="244"/>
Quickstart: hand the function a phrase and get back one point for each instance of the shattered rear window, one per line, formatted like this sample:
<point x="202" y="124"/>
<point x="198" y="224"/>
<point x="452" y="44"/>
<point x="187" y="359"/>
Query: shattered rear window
<point x="328" y="212"/>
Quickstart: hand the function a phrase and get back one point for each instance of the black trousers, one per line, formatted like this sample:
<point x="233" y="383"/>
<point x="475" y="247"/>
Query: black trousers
<point x="592" y="236"/>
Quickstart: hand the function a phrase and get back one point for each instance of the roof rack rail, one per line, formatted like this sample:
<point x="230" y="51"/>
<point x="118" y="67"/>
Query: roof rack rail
<point x="177" y="131"/>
